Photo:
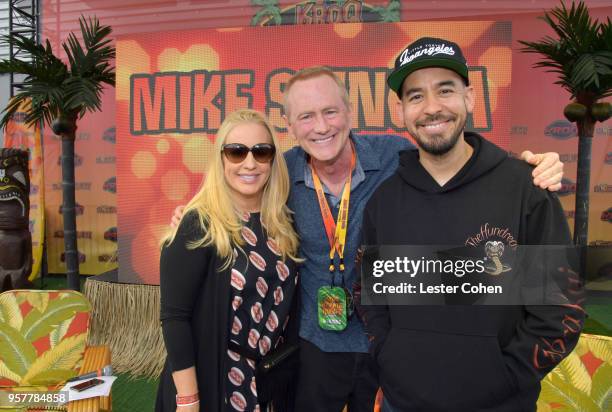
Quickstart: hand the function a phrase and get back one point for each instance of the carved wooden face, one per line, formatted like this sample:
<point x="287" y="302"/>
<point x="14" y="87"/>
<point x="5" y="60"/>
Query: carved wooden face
<point x="15" y="238"/>
<point x="14" y="183"/>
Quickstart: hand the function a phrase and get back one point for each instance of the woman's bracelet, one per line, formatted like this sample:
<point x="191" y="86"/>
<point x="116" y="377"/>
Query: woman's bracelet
<point x="187" y="400"/>
<point x="187" y="404"/>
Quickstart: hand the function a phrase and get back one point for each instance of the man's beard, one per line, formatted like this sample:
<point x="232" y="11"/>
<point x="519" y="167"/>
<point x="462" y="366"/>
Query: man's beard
<point x="437" y="145"/>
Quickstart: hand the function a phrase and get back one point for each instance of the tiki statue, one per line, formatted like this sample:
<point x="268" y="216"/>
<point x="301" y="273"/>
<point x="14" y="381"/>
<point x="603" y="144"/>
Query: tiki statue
<point x="15" y="237"/>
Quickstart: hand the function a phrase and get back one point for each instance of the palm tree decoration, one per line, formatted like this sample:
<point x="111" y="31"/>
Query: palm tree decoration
<point x="269" y="9"/>
<point x="60" y="94"/>
<point x="582" y="57"/>
<point x="391" y="13"/>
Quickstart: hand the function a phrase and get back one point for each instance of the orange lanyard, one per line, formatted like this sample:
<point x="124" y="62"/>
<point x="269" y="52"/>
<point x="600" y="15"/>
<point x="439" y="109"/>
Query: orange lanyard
<point x="336" y="233"/>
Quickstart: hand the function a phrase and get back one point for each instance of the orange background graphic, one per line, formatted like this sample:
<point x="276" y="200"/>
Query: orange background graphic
<point x="166" y="120"/>
<point x="526" y="106"/>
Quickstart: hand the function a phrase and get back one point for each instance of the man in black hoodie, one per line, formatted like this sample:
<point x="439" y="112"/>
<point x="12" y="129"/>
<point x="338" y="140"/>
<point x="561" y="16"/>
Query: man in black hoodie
<point x="459" y="189"/>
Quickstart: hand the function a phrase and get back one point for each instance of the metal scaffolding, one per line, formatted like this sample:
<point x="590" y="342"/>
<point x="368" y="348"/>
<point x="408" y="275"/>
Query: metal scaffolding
<point x="23" y="20"/>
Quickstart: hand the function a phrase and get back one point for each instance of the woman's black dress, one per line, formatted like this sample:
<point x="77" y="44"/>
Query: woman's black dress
<point x="204" y="307"/>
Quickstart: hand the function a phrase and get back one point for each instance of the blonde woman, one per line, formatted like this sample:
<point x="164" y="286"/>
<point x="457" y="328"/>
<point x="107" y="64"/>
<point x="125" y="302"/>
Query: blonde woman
<point x="228" y="274"/>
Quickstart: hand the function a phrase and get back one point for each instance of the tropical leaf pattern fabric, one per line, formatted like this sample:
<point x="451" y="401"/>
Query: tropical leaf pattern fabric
<point x="583" y="381"/>
<point x="42" y="337"/>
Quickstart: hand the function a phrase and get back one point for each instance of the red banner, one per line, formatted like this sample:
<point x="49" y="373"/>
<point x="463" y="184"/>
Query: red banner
<point x="535" y="102"/>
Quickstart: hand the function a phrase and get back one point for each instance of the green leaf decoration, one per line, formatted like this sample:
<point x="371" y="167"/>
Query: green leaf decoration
<point x="66" y="355"/>
<point x="38" y="300"/>
<point x="37" y="324"/>
<point x="9" y="310"/>
<point x="543" y="406"/>
<point x="579" y="53"/>
<point x="556" y="390"/>
<point x="58" y="333"/>
<point x="24" y="409"/>
<point x="17" y="353"/>
<point x="268" y="8"/>
<point x="582" y="348"/>
<point x="551" y="393"/>
<point x="601" y="348"/>
<point x="601" y="391"/>
<point x="31" y="388"/>
<point x="53" y="377"/>
<point x="574" y="372"/>
<point x="57" y="89"/>
<point x="5" y="372"/>
<point x="391" y="13"/>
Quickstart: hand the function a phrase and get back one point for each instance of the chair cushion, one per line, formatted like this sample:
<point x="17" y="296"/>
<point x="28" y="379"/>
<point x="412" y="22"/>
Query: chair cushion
<point x="42" y="337"/>
<point x="582" y="380"/>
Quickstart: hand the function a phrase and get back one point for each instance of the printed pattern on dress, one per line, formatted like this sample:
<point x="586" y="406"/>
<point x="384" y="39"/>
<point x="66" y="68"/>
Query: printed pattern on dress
<point x="262" y="286"/>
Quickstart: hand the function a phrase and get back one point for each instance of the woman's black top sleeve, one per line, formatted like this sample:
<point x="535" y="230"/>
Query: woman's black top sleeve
<point x="182" y="272"/>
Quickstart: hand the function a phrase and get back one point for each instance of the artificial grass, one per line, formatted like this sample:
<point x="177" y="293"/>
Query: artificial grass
<point x="599" y="319"/>
<point x="134" y="394"/>
<point x="52" y="282"/>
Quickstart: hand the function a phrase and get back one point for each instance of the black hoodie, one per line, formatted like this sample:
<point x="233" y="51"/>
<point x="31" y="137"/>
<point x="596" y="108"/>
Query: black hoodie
<point x="466" y="358"/>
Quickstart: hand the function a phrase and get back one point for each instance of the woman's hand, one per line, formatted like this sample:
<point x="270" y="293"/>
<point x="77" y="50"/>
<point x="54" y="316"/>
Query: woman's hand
<point x="186" y="383"/>
<point x="176" y="217"/>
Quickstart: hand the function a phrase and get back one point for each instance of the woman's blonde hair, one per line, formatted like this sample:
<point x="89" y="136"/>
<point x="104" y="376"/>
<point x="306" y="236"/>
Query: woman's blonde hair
<point x="216" y="214"/>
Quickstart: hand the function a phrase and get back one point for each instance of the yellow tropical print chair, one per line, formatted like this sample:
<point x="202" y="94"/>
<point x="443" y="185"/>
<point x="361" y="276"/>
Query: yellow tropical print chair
<point x="43" y="337"/>
<point x="583" y="380"/>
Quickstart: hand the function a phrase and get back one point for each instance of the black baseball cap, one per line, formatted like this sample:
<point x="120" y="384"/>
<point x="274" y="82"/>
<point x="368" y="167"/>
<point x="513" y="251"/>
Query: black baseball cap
<point x="427" y="52"/>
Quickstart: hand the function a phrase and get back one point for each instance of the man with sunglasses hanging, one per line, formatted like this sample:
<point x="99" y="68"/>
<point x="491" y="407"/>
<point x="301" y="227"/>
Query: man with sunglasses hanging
<point x="332" y="172"/>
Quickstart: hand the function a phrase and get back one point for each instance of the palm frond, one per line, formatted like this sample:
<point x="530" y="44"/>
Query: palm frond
<point x="92" y="58"/>
<point x="38" y="52"/>
<point x="76" y="54"/>
<point x="16" y="66"/>
<point x="605" y="40"/>
<point x="94" y="35"/>
<point x="82" y="94"/>
<point x="43" y="77"/>
<point x="12" y="107"/>
<point x="55" y="88"/>
<point x="581" y="55"/>
<point x="43" y="61"/>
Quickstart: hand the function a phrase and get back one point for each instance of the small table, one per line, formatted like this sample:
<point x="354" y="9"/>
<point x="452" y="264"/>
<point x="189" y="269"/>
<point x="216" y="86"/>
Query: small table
<point x="96" y="357"/>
